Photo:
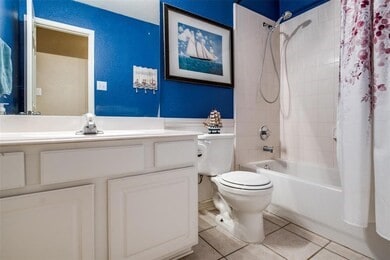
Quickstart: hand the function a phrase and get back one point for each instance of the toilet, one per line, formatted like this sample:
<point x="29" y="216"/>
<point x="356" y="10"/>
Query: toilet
<point x="239" y="196"/>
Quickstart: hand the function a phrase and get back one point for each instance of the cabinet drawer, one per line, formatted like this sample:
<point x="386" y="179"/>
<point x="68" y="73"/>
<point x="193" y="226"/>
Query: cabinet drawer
<point x="12" y="170"/>
<point x="175" y="153"/>
<point x="78" y="164"/>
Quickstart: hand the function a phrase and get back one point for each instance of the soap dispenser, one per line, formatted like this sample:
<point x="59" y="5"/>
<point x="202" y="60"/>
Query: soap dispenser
<point x="2" y="108"/>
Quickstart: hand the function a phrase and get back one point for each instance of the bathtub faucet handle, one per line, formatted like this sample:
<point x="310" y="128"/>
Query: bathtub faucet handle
<point x="264" y="132"/>
<point x="268" y="148"/>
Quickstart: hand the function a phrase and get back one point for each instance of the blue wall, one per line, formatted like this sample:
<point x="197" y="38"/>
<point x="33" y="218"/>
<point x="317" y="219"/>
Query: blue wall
<point x="299" y="7"/>
<point x="268" y="8"/>
<point x="187" y="100"/>
<point x="9" y="32"/>
<point x="180" y="99"/>
<point x="120" y="43"/>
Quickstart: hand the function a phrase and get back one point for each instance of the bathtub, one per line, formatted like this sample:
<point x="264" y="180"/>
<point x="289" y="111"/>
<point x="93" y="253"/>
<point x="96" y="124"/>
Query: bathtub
<point x="311" y="196"/>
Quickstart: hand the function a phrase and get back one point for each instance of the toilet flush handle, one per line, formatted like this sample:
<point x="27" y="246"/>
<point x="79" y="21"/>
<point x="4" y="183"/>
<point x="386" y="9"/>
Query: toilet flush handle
<point x="202" y="151"/>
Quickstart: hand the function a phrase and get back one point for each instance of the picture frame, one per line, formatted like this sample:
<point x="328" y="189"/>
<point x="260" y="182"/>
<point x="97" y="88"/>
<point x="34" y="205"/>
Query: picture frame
<point x="197" y="50"/>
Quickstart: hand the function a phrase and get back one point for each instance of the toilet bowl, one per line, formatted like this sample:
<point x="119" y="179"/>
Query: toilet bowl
<point x="239" y="196"/>
<point x="248" y="196"/>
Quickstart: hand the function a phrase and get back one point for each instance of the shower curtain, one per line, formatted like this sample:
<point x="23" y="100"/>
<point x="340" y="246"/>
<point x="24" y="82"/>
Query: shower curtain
<point x="364" y="111"/>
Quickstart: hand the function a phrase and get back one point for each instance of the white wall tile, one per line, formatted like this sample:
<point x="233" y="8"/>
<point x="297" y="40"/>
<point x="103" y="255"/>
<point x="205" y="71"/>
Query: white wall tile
<point x="251" y="111"/>
<point x="312" y="56"/>
<point x="309" y="83"/>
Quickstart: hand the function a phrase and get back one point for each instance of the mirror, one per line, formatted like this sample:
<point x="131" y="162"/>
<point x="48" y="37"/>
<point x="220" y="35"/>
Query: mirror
<point x="122" y="41"/>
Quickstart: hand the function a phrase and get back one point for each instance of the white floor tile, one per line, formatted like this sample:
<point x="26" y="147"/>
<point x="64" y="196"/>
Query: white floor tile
<point x="275" y="219"/>
<point x="345" y="252"/>
<point x="316" y="239"/>
<point x="326" y="255"/>
<point x="269" y="227"/>
<point x="203" y="251"/>
<point x="221" y="241"/>
<point x="206" y="220"/>
<point x="290" y="245"/>
<point x="254" y="252"/>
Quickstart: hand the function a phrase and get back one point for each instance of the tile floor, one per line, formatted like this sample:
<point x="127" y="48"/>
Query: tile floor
<point x="284" y="240"/>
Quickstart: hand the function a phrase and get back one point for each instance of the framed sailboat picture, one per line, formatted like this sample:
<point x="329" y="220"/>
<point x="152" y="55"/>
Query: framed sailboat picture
<point x="197" y="50"/>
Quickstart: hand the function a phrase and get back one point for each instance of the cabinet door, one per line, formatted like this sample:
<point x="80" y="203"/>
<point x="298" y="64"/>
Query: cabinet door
<point x="153" y="216"/>
<point x="49" y="225"/>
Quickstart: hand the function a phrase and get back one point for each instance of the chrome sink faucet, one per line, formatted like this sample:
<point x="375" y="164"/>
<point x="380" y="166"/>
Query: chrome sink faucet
<point x="90" y="126"/>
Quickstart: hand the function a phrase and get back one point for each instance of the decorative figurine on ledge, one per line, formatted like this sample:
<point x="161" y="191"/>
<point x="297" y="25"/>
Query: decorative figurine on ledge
<point x="213" y="122"/>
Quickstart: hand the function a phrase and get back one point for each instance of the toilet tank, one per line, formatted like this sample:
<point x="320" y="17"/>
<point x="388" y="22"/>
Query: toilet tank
<point x="215" y="153"/>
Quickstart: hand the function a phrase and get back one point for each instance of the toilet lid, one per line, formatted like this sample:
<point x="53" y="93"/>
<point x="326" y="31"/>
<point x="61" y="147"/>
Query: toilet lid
<point x="245" y="180"/>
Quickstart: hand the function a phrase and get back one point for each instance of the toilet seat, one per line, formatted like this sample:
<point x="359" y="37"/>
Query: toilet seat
<point x="245" y="181"/>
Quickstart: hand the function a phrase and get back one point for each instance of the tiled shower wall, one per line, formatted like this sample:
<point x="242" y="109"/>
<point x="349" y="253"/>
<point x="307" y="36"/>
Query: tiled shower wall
<point x="251" y="111"/>
<point x="309" y="45"/>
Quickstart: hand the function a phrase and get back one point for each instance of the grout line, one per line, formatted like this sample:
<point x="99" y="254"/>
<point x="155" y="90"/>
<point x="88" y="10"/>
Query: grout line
<point x="345" y="247"/>
<point x="327" y="243"/>
<point x="236" y="250"/>
<point x="200" y="231"/>
<point x="281" y="226"/>
<point x="323" y="248"/>
<point x="317" y="235"/>
<point x="273" y="231"/>
<point x="310" y="231"/>
<point x="269" y="212"/>
<point x="211" y="245"/>
<point x="329" y="240"/>
<point x="274" y="251"/>
<point x="308" y="239"/>
<point x="246" y="244"/>
<point x="288" y="222"/>
<point x="315" y="253"/>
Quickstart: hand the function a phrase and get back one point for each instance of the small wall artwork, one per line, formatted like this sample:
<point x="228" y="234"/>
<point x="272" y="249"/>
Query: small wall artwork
<point x="144" y="78"/>
<point x="197" y="49"/>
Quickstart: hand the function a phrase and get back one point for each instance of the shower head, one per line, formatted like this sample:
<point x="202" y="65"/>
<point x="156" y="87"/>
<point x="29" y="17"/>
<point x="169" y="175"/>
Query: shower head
<point x="286" y="15"/>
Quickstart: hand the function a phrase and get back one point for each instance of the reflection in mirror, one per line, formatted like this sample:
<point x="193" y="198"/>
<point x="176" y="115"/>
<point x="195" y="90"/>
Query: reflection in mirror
<point x="63" y="69"/>
<point x="11" y="89"/>
<point x="121" y="42"/>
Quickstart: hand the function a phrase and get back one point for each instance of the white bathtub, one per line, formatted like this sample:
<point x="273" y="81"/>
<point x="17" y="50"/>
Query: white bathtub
<point x="311" y="196"/>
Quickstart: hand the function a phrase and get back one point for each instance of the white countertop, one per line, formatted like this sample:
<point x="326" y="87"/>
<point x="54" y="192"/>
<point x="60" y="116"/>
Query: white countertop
<point x="21" y="138"/>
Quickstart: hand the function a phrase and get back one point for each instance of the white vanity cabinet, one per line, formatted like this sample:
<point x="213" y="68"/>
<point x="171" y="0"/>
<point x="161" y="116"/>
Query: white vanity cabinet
<point x="48" y="225"/>
<point x="152" y="215"/>
<point x="120" y="198"/>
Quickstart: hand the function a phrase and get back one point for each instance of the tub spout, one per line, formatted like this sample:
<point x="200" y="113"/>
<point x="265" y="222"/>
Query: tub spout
<point x="268" y="148"/>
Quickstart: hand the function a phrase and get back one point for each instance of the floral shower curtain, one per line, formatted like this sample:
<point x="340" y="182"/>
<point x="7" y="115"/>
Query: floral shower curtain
<point x="364" y="111"/>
